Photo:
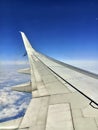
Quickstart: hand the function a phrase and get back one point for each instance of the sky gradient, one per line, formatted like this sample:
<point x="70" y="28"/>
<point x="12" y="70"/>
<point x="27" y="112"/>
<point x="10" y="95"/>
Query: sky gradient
<point x="65" y="30"/>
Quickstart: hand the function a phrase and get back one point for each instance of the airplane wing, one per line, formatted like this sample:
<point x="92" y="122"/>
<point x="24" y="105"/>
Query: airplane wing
<point x="64" y="97"/>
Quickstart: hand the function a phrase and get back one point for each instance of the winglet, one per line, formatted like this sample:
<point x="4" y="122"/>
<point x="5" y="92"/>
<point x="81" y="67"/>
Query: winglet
<point x="30" y="52"/>
<point x="27" y="44"/>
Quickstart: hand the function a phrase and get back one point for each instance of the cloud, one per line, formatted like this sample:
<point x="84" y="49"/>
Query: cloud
<point x="89" y="65"/>
<point x="12" y="103"/>
<point x="14" y="62"/>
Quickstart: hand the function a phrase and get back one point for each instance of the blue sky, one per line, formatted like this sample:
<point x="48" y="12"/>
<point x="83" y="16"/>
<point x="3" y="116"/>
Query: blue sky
<point x="61" y="29"/>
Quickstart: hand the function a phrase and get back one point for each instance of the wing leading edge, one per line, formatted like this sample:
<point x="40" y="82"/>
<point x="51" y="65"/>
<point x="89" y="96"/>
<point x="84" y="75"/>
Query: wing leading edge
<point x="61" y="95"/>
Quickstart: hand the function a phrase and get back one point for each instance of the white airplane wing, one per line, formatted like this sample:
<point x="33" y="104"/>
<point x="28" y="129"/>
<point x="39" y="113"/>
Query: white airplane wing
<point x="64" y="97"/>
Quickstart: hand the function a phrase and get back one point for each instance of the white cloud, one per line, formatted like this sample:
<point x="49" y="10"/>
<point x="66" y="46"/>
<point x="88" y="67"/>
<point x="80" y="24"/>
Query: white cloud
<point x="14" y="62"/>
<point x="12" y="110"/>
<point x="12" y="102"/>
<point x="89" y="65"/>
<point x="8" y="97"/>
<point x="8" y="103"/>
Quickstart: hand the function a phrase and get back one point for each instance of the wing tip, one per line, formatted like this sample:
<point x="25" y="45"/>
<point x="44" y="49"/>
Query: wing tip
<point x="21" y="32"/>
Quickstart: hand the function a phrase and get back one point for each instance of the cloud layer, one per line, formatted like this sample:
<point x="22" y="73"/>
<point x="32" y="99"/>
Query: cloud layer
<point x="12" y="104"/>
<point x="89" y="65"/>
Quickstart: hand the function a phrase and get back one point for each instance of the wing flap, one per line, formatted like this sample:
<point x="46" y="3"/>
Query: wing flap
<point x="59" y="117"/>
<point x="36" y="114"/>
